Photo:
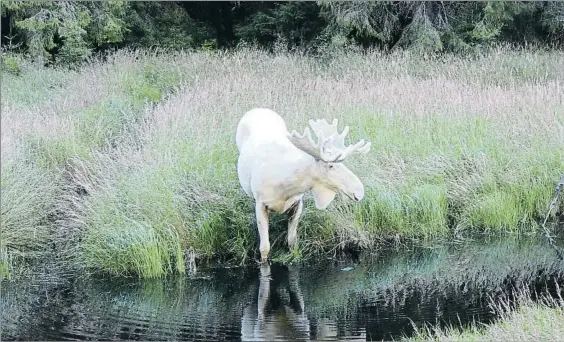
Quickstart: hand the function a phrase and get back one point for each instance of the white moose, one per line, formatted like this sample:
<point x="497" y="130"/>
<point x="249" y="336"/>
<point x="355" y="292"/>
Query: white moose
<point x="277" y="168"/>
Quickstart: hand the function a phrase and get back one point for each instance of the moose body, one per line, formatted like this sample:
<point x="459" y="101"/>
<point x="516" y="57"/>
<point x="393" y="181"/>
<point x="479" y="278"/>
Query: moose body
<point x="277" y="168"/>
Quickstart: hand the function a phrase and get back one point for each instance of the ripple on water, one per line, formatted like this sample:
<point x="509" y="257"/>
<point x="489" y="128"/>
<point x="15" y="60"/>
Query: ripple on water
<point x="372" y="300"/>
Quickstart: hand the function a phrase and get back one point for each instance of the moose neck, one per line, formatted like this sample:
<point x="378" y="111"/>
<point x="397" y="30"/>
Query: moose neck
<point x="303" y="175"/>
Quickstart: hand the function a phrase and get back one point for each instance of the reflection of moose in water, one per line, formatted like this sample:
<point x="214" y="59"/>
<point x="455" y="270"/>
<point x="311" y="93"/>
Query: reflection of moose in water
<point x="279" y="311"/>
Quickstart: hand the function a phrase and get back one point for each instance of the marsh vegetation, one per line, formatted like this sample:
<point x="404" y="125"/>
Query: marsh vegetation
<point x="122" y="216"/>
<point x="128" y="165"/>
<point x="146" y="183"/>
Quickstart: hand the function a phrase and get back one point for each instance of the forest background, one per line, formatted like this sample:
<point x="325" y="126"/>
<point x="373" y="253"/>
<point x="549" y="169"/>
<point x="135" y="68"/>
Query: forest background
<point x="67" y="33"/>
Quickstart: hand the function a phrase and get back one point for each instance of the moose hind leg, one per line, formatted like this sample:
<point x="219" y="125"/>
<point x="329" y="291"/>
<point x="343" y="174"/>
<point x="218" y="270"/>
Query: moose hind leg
<point x="262" y="222"/>
<point x="295" y="213"/>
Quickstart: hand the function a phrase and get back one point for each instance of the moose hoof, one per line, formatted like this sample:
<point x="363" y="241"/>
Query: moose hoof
<point x="264" y="256"/>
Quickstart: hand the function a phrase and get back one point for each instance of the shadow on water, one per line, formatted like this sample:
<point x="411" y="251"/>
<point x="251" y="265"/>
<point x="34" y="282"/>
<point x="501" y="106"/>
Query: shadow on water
<point x="374" y="299"/>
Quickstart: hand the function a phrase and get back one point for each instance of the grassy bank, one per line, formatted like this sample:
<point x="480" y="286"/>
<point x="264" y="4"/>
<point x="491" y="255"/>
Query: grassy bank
<point x="460" y="146"/>
<point x="531" y="321"/>
<point x="52" y="121"/>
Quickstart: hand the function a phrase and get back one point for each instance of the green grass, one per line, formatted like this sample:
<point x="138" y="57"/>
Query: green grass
<point x="72" y="118"/>
<point x="461" y="146"/>
<point x="26" y="232"/>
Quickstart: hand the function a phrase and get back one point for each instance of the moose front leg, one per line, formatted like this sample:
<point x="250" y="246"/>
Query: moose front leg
<point x="295" y="213"/>
<point x="262" y="222"/>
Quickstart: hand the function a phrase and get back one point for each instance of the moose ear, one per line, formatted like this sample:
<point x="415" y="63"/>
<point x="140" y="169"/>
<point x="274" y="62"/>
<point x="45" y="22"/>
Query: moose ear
<point x="322" y="196"/>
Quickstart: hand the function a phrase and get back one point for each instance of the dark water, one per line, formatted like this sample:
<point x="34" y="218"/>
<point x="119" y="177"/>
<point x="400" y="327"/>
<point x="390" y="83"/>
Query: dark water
<point x="376" y="298"/>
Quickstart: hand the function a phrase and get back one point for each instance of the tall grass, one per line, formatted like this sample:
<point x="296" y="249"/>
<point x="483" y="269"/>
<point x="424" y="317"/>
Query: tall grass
<point x="460" y="146"/>
<point x="70" y="117"/>
<point x="26" y="233"/>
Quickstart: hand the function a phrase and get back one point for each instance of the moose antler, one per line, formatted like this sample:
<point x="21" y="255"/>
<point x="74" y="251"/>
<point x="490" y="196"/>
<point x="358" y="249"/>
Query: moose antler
<point x="330" y="146"/>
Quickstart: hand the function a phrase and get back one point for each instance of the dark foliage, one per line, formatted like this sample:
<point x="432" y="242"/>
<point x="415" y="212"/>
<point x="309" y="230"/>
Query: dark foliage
<point x="67" y="32"/>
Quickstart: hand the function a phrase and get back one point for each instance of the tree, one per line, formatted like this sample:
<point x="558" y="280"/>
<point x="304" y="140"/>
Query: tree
<point x="434" y="26"/>
<point x="68" y="32"/>
<point x="164" y="24"/>
<point x="296" y="23"/>
<point x="67" y="29"/>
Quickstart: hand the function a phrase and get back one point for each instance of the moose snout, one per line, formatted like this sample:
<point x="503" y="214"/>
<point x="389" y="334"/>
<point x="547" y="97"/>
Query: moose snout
<point x="358" y="194"/>
<point x="354" y="191"/>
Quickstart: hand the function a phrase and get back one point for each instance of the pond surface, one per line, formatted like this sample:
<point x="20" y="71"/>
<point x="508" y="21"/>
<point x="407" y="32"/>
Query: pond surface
<point x="381" y="297"/>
